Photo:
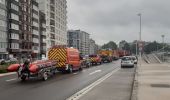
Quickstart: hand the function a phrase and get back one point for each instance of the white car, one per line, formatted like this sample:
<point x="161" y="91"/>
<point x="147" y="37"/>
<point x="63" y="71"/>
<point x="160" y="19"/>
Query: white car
<point x="135" y="59"/>
<point x="127" y="61"/>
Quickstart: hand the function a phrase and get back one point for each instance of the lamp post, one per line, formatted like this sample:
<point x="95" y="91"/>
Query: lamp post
<point x="136" y="48"/>
<point x="140" y="39"/>
<point x="163" y="36"/>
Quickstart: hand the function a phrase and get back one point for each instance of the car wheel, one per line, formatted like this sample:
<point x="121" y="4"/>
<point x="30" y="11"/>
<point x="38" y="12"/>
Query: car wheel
<point x="23" y="77"/>
<point x="45" y="76"/>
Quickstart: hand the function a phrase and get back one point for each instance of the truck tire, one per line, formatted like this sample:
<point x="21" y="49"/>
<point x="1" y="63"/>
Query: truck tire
<point x="70" y="69"/>
<point x="80" y="69"/>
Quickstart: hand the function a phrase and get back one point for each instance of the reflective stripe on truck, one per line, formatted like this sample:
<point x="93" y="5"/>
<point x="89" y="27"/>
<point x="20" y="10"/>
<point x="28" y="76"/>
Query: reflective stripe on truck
<point x="58" y="54"/>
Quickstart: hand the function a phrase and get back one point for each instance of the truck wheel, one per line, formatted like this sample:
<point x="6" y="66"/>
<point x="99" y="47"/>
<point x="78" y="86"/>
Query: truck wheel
<point x="45" y="76"/>
<point x="80" y="69"/>
<point x="70" y="69"/>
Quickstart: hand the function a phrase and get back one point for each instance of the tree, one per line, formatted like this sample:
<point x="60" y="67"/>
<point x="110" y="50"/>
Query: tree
<point x="126" y="47"/>
<point x="153" y="46"/>
<point x="110" y="45"/>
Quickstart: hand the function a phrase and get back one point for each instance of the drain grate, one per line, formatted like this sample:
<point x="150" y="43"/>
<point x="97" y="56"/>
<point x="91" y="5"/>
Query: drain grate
<point x="160" y="85"/>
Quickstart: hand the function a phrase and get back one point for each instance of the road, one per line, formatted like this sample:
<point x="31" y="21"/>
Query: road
<point x="59" y="87"/>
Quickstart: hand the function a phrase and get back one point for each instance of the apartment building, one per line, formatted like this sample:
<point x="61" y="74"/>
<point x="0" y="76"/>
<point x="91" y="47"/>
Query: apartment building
<point x="92" y="47"/>
<point x="56" y="21"/>
<point x="80" y="40"/>
<point x="3" y="30"/>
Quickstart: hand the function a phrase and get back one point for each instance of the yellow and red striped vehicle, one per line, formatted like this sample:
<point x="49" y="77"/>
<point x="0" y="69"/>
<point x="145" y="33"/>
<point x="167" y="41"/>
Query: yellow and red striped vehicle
<point x="68" y="59"/>
<point x="95" y="59"/>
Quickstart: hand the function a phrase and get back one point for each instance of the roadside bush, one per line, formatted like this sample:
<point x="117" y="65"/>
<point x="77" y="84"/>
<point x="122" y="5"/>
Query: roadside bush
<point x="3" y="68"/>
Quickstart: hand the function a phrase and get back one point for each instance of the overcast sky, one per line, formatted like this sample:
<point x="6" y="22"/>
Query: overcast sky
<point x="117" y="20"/>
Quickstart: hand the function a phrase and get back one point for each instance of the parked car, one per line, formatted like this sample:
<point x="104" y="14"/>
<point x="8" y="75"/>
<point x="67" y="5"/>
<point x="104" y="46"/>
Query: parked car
<point x="2" y="62"/>
<point x="135" y="59"/>
<point x="127" y="61"/>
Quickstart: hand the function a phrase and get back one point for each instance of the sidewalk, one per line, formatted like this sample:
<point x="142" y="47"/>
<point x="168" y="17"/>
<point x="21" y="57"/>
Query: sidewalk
<point x="5" y="74"/>
<point x="153" y="82"/>
<point x="116" y="87"/>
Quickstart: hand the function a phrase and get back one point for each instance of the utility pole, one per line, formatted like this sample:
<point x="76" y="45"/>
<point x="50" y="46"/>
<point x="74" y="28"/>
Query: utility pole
<point x="163" y="36"/>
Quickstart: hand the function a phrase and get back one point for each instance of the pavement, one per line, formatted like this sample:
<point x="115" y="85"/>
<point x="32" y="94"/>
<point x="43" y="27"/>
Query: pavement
<point x="5" y="74"/>
<point x="117" y="87"/>
<point x="153" y="82"/>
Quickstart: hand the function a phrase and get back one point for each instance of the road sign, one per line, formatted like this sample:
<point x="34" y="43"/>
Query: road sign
<point x="140" y="46"/>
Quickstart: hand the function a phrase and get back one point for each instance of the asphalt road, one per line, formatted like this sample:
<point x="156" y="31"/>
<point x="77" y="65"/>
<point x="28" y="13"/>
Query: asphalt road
<point x="59" y="87"/>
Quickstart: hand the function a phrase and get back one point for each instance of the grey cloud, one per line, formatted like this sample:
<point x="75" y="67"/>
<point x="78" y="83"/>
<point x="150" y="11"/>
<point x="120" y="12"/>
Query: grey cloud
<point x="117" y="19"/>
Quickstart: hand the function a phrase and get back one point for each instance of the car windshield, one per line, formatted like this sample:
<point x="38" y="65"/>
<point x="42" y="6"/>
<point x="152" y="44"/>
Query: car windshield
<point x="133" y="58"/>
<point x="126" y="58"/>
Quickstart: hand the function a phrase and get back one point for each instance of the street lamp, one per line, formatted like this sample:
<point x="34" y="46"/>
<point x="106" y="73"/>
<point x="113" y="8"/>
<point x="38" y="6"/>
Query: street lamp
<point x="140" y="39"/>
<point x="136" y="47"/>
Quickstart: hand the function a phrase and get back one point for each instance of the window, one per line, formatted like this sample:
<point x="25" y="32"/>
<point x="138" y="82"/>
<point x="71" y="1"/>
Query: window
<point x="14" y="26"/>
<point x="3" y="45"/>
<point x="25" y="27"/>
<point x="14" y="36"/>
<point x="15" y="7"/>
<point x="3" y="12"/>
<point x="2" y="2"/>
<point x="35" y="48"/>
<point x="14" y="46"/>
<point x="52" y="15"/>
<point x="35" y="32"/>
<point x="52" y="22"/>
<point x="3" y="23"/>
<point x="52" y="2"/>
<point x="35" y="24"/>
<point x="52" y="29"/>
<point x="43" y="25"/>
<point x="35" y="7"/>
<point x="35" y="16"/>
<point x="2" y="34"/>
<point x="14" y="16"/>
<point x="52" y="8"/>
<point x="35" y="40"/>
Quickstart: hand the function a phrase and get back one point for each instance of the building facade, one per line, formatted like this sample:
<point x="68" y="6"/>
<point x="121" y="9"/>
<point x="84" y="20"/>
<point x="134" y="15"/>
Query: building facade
<point x="42" y="24"/>
<point x="35" y="29"/>
<point x="92" y="47"/>
<point x="80" y="40"/>
<point x="14" y="33"/>
<point x="3" y="30"/>
<point x="23" y="28"/>
<point x="56" y="21"/>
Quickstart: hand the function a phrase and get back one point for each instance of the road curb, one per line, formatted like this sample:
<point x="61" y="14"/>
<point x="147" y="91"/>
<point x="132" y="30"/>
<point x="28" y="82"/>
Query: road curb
<point x="6" y="74"/>
<point x="134" y="86"/>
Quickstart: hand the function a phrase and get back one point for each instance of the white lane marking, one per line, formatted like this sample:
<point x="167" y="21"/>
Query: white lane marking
<point x="75" y="73"/>
<point x="82" y="92"/>
<point x="96" y="71"/>
<point x="11" y="80"/>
